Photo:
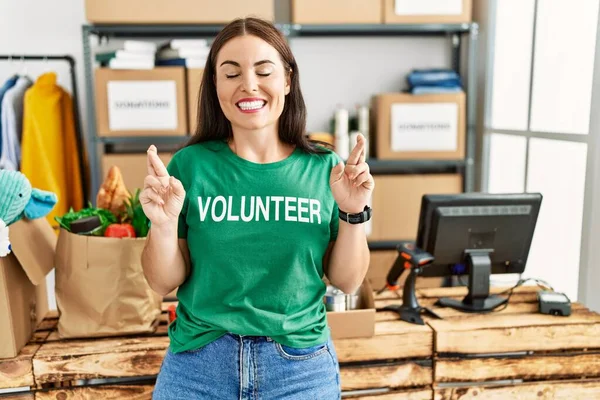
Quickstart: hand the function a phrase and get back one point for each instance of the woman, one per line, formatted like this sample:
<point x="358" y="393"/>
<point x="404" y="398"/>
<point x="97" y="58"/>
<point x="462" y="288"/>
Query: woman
<point x="245" y="222"/>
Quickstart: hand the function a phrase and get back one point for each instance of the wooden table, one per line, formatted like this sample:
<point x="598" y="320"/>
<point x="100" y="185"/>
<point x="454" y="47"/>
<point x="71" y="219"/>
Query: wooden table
<point x="515" y="353"/>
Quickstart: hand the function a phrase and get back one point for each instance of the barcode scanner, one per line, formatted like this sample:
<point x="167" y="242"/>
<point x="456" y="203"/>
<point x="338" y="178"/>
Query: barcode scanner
<point x="413" y="259"/>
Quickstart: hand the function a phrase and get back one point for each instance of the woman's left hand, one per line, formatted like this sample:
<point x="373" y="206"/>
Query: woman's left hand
<point x="352" y="184"/>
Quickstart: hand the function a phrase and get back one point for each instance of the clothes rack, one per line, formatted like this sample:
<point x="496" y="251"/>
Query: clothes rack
<point x="79" y="134"/>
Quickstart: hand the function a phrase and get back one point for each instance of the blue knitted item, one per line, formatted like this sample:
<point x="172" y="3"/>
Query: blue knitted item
<point x="18" y="199"/>
<point x="40" y="204"/>
<point x="15" y="192"/>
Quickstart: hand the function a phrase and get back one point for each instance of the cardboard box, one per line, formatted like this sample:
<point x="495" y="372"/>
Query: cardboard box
<point x="397" y="202"/>
<point x="176" y="11"/>
<point x="194" y="81"/>
<point x="411" y="127"/>
<point x="427" y="11"/>
<point x="380" y="265"/>
<point x="336" y="12"/>
<point x="141" y="102"/>
<point x="355" y="323"/>
<point x="23" y="293"/>
<point x="133" y="167"/>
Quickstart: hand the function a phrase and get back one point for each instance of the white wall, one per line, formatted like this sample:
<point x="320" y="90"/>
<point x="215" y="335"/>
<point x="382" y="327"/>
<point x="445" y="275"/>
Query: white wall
<point x="334" y="71"/>
<point x="348" y="71"/>
<point x="43" y="27"/>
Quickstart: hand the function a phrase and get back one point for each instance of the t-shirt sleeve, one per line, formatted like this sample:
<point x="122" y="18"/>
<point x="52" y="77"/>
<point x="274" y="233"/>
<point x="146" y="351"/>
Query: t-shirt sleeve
<point x="182" y="227"/>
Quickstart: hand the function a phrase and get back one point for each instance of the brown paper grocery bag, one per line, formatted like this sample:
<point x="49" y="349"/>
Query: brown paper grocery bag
<point x="100" y="287"/>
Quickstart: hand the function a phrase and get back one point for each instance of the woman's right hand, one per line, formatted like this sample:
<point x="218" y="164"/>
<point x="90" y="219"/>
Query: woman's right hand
<point x="163" y="195"/>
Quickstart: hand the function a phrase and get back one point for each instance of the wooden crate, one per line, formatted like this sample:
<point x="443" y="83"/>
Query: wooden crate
<point x="395" y="363"/>
<point x="545" y="357"/>
<point x="549" y="390"/>
<point x="514" y="353"/>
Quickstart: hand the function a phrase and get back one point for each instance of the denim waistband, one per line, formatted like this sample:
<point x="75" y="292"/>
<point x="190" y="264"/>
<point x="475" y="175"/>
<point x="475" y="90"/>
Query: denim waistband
<point x="250" y="337"/>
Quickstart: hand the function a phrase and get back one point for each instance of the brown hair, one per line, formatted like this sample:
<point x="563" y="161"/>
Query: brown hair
<point x="211" y="122"/>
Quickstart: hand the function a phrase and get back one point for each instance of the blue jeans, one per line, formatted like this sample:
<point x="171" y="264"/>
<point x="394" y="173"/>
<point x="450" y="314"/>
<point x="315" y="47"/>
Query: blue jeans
<point x="250" y="368"/>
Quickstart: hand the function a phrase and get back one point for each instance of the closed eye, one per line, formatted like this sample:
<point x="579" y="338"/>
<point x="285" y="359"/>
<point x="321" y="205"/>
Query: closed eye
<point x="232" y="76"/>
<point x="263" y="74"/>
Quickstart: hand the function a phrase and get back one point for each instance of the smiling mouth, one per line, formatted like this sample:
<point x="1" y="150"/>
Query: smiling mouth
<point x="253" y="105"/>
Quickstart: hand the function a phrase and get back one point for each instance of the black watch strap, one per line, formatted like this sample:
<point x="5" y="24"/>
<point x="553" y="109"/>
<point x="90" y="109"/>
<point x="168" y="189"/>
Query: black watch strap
<point x="357" y="218"/>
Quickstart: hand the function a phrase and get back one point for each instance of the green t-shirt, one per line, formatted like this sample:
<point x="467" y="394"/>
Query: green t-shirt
<point x="257" y="234"/>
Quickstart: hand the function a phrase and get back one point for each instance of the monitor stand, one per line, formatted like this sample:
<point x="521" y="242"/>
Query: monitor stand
<point x="479" y="267"/>
<point x="410" y="310"/>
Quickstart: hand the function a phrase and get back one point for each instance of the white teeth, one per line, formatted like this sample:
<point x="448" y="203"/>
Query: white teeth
<point x="251" y="105"/>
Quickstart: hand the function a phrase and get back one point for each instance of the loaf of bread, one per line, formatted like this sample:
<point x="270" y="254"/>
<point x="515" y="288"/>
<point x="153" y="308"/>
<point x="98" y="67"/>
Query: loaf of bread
<point x="113" y="193"/>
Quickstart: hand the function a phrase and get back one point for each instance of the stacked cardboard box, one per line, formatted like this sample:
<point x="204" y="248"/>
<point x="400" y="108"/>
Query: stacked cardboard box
<point x="175" y="11"/>
<point x="381" y="11"/>
<point x="23" y="293"/>
<point x="336" y="12"/>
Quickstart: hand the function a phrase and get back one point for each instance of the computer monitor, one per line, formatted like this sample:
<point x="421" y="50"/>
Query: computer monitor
<point x="477" y="234"/>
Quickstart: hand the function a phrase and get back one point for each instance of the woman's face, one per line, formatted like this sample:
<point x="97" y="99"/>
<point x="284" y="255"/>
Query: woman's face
<point x="251" y="83"/>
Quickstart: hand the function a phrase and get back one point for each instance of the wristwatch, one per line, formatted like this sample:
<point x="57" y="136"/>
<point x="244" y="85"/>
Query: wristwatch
<point x="357" y="218"/>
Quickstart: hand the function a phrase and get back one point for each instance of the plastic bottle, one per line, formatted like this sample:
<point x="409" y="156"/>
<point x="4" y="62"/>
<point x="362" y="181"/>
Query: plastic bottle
<point x="363" y="126"/>
<point x="342" y="140"/>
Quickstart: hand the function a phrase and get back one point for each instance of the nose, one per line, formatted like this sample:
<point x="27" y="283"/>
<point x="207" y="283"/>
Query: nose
<point x="249" y="83"/>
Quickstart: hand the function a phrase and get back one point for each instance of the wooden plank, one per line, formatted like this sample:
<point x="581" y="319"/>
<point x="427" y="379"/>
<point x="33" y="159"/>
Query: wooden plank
<point x="135" y="363"/>
<point x="469" y="322"/>
<point x="550" y="390"/>
<point x="516" y="332"/>
<point x="529" y="368"/>
<point x="161" y="330"/>
<point x="109" y="392"/>
<point x="100" y="358"/>
<point x="18" y="396"/>
<point x="447" y="312"/>
<point x="53" y="337"/>
<point x="47" y="324"/>
<point x="412" y="394"/>
<point x="396" y="375"/>
<point x="398" y="327"/>
<point x="383" y="347"/>
<point x="522" y="292"/>
<point x="18" y="371"/>
<point x="524" y="298"/>
<point x="39" y="337"/>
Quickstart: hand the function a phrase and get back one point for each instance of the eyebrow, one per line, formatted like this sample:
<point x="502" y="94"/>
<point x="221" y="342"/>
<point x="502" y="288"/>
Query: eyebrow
<point x="256" y="64"/>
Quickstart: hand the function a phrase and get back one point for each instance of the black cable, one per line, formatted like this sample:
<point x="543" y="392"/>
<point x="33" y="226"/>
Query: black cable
<point x="541" y="283"/>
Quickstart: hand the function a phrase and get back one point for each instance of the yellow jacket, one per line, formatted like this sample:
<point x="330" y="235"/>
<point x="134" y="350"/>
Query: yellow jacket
<point x="49" y="153"/>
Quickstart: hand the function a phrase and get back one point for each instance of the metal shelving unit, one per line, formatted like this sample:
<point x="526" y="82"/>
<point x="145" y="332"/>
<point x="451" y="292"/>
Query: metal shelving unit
<point x="455" y="32"/>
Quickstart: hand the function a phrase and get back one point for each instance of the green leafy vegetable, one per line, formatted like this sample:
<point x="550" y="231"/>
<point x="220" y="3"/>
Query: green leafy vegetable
<point x="106" y="217"/>
<point x="134" y="214"/>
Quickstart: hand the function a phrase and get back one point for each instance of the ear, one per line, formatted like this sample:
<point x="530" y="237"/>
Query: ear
<point x="40" y="204"/>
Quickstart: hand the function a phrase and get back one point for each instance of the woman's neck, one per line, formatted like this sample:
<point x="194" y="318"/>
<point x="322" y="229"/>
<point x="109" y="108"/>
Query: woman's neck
<point x="259" y="146"/>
